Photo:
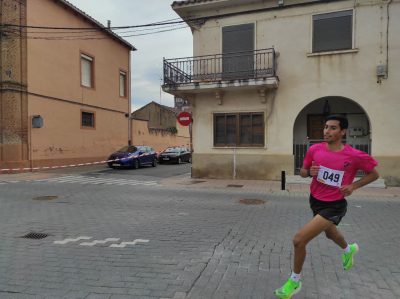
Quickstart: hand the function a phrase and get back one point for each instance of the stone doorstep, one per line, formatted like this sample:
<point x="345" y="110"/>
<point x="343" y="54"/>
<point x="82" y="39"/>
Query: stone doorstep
<point x="296" y="179"/>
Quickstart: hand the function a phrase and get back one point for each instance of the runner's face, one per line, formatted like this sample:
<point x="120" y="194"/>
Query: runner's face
<point x="332" y="131"/>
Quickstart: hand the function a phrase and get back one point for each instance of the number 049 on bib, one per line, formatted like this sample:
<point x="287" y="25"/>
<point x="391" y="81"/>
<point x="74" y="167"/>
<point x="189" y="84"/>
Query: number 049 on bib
<point x="330" y="177"/>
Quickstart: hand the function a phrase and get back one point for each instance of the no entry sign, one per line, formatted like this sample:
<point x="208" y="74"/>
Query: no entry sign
<point x="184" y="118"/>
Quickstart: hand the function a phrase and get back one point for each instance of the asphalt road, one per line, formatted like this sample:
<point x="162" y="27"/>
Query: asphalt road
<point x="146" y="172"/>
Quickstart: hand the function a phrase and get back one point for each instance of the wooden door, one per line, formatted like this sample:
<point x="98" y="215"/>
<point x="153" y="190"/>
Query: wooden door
<point x="315" y="127"/>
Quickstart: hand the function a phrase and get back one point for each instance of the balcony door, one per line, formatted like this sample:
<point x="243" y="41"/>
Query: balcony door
<point x="238" y="52"/>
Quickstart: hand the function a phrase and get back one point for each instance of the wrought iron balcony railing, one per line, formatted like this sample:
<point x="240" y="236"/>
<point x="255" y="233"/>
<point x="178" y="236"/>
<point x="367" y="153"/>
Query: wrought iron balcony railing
<point x="211" y="68"/>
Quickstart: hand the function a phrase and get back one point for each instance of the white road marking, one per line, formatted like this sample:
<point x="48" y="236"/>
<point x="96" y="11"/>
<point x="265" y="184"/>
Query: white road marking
<point x="63" y="242"/>
<point x="98" y="181"/>
<point x="94" y="242"/>
<point x="123" y="244"/>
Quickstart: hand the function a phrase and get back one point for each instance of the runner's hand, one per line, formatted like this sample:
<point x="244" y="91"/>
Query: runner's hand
<point x="347" y="190"/>
<point x="314" y="169"/>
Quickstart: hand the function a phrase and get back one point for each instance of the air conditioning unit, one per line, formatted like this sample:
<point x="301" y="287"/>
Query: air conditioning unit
<point x="355" y="132"/>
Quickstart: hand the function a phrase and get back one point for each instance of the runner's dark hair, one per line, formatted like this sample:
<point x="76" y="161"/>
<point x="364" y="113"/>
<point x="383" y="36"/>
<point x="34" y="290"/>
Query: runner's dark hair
<point x="343" y="122"/>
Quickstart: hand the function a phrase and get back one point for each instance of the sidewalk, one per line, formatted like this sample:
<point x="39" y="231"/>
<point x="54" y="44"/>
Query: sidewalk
<point x="294" y="184"/>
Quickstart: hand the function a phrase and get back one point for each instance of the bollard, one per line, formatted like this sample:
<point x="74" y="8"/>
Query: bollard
<point x="283" y="180"/>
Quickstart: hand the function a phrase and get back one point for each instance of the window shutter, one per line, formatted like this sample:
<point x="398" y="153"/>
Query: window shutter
<point x="238" y="38"/>
<point x="333" y="31"/>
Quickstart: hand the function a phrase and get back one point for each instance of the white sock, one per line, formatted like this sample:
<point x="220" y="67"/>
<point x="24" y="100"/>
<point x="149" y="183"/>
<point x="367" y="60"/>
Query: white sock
<point x="347" y="249"/>
<point x="295" y="277"/>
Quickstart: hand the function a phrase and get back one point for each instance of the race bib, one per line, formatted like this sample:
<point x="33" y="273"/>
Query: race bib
<point x="330" y="177"/>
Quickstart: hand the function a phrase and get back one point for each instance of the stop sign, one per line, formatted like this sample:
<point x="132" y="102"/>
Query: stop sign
<point x="184" y="118"/>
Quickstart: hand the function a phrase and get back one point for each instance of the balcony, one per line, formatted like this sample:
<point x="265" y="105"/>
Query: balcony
<point x="220" y="71"/>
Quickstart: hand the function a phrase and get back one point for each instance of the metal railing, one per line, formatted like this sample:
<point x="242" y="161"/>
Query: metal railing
<point x="212" y="68"/>
<point x="300" y="149"/>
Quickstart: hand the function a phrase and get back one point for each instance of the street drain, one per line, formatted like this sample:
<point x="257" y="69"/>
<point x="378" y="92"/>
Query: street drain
<point x="235" y="186"/>
<point x="250" y="201"/>
<point x="50" y="197"/>
<point x="36" y="236"/>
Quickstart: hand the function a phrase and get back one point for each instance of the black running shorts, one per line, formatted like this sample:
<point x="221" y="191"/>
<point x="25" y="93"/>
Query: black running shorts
<point x="331" y="210"/>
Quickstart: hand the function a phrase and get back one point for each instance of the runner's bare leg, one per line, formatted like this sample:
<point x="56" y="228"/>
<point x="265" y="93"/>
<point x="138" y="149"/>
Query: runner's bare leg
<point x="308" y="232"/>
<point x="336" y="236"/>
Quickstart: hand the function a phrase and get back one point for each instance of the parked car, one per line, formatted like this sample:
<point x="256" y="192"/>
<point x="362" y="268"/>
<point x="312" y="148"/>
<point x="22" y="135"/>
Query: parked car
<point x="133" y="156"/>
<point x="175" y="155"/>
<point x="160" y="152"/>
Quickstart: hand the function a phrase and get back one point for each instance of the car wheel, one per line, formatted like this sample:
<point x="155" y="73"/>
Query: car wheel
<point x="154" y="163"/>
<point x="136" y="164"/>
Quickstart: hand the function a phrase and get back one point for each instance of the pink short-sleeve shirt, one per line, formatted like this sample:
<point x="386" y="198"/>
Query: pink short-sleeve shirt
<point x="348" y="160"/>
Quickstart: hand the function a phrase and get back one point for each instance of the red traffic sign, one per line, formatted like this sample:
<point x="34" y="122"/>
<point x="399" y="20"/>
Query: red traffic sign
<point x="184" y="118"/>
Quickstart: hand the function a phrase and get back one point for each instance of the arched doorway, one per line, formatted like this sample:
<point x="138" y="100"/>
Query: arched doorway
<point x="308" y="126"/>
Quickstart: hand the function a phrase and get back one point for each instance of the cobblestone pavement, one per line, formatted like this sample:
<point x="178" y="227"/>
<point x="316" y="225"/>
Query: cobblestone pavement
<point x="187" y="238"/>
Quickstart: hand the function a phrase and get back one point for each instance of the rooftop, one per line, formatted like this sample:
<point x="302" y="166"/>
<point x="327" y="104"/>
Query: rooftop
<point x="96" y="23"/>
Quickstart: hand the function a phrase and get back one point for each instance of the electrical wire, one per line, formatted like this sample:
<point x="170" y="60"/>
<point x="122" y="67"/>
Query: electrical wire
<point x="90" y="33"/>
<point x="95" y="31"/>
<point x="17" y="33"/>
<point x="88" y="28"/>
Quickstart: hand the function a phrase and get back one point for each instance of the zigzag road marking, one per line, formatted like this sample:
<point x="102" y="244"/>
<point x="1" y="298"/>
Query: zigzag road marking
<point x="94" y="242"/>
<point x="123" y="244"/>
<point x="63" y="242"/>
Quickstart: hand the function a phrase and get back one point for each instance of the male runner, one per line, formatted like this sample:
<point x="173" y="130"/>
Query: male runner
<point x="333" y="166"/>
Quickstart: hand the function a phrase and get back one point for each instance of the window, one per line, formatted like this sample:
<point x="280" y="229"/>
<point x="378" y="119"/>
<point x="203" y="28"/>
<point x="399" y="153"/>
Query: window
<point x="239" y="129"/>
<point x="87" y="71"/>
<point x="87" y="119"/>
<point x="333" y="31"/>
<point x="122" y="84"/>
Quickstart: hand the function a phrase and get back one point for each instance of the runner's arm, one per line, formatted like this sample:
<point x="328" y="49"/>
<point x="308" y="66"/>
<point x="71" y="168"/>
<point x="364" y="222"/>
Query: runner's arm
<point x="304" y="173"/>
<point x="365" y="180"/>
<point x="312" y="171"/>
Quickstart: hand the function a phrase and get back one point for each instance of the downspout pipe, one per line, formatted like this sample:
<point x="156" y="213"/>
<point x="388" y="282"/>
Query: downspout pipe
<point x="129" y="101"/>
<point x="387" y="37"/>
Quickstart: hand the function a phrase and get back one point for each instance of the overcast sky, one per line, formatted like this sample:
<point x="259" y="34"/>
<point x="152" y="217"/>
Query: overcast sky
<point x="147" y="60"/>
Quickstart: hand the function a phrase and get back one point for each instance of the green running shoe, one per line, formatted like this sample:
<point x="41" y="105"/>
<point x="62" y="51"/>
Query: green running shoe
<point x="348" y="258"/>
<point x="288" y="289"/>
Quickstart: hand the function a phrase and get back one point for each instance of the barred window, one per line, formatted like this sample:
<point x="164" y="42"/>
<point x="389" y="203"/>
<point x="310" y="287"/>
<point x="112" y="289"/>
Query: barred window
<point x="239" y="129"/>
<point x="333" y="31"/>
<point x="87" y="119"/>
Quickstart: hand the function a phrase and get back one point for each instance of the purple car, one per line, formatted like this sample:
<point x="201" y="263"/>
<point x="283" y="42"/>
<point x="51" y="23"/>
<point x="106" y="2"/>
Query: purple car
<point x="133" y="156"/>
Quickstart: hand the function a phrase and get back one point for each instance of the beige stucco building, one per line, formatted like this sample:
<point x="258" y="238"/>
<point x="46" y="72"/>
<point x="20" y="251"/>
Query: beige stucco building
<point x="64" y="93"/>
<point x="265" y="73"/>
